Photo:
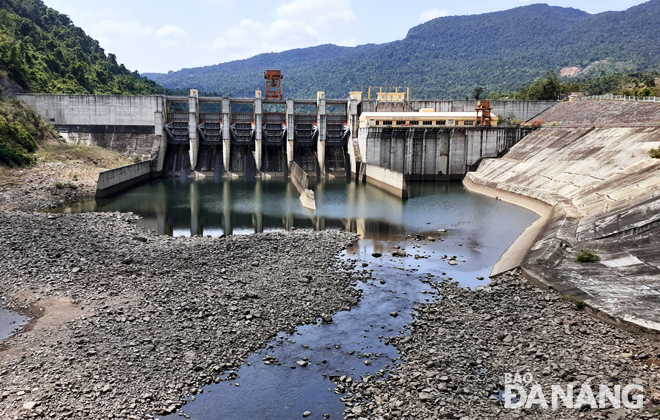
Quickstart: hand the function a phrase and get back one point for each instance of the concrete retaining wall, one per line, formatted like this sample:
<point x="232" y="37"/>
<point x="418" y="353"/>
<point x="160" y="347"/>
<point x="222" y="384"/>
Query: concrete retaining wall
<point x="133" y="140"/>
<point x="116" y="180"/>
<point x="301" y="181"/>
<point x="604" y="191"/>
<point x="118" y="110"/>
<point x="131" y="125"/>
<point x="391" y="181"/>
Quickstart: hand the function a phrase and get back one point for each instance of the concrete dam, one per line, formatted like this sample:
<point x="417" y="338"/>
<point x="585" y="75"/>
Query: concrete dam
<point x="220" y="136"/>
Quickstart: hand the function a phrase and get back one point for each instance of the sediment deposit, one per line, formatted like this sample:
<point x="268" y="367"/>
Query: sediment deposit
<point x="460" y="348"/>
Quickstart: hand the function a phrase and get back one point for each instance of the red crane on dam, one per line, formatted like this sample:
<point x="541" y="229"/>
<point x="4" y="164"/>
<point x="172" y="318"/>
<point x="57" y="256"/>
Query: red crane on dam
<point x="273" y="84"/>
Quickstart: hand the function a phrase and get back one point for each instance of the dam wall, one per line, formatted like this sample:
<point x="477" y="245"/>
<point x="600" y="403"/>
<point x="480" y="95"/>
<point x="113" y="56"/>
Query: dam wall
<point x="436" y="154"/>
<point x="131" y="125"/>
<point x="603" y="192"/>
<point x="80" y="110"/>
<point x="261" y="137"/>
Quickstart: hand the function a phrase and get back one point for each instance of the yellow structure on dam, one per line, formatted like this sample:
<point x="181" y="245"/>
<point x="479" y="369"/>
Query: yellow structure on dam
<point x="424" y="118"/>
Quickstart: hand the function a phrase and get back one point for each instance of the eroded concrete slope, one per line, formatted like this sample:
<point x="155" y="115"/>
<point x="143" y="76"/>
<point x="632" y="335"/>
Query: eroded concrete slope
<point x="602" y="113"/>
<point x="604" y="190"/>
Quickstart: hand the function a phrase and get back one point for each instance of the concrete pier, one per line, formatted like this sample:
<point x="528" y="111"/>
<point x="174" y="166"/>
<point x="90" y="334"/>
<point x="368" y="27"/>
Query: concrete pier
<point x="322" y="124"/>
<point x="193" y="117"/>
<point x="258" y="141"/>
<point x="226" y="138"/>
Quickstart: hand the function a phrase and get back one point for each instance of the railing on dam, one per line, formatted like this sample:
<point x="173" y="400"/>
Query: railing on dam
<point x="610" y="97"/>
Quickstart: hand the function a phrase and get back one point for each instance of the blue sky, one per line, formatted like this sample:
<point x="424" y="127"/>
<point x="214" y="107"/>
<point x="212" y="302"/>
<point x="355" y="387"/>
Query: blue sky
<point x="157" y="36"/>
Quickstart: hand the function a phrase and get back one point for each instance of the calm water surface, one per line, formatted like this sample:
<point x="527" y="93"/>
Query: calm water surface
<point x="10" y="322"/>
<point x="477" y="230"/>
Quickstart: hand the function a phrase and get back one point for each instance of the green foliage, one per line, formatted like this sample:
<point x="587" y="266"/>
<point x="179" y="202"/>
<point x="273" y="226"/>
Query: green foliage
<point x="587" y="257"/>
<point x="580" y="305"/>
<point x="44" y="52"/>
<point x="21" y="129"/>
<point x="639" y="84"/>
<point x="541" y="89"/>
<point x="62" y="185"/>
<point x="449" y="56"/>
<point x="655" y="153"/>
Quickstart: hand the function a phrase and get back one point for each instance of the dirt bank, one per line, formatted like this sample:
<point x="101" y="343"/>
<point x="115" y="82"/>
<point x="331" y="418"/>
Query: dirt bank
<point x="64" y="173"/>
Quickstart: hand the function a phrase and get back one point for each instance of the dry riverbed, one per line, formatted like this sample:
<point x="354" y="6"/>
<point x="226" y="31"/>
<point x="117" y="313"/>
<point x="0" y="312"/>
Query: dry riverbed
<point x="126" y="323"/>
<point x="461" y="347"/>
<point x="132" y="323"/>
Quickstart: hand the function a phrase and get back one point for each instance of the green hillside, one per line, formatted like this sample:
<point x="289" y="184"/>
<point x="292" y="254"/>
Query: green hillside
<point x="43" y="51"/>
<point x="450" y="56"/>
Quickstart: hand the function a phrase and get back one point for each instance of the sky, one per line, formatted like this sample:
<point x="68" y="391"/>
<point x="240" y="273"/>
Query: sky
<point x="159" y="36"/>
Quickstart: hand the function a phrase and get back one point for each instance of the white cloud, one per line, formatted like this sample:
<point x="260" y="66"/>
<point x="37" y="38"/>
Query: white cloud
<point x="251" y="37"/>
<point x="126" y="30"/>
<point x="239" y="37"/>
<point x="290" y="31"/>
<point x="297" y="24"/>
<point x="317" y="12"/>
<point x="427" y="15"/>
<point x="170" y="31"/>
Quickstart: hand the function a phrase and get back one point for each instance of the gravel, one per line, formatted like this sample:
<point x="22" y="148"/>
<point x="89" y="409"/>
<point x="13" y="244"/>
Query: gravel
<point x="461" y="347"/>
<point x="130" y="323"/>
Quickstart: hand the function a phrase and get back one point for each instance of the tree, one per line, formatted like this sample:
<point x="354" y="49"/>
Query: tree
<point x="542" y="89"/>
<point x="477" y="92"/>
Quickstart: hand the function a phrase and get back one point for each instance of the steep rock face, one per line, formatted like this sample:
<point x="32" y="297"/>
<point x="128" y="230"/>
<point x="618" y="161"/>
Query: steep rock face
<point x="449" y="56"/>
<point x="605" y="196"/>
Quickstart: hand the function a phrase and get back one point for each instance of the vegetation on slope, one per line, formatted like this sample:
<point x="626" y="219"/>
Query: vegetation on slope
<point x="21" y="131"/>
<point x="449" y="56"/>
<point x="43" y="51"/>
<point x="637" y="84"/>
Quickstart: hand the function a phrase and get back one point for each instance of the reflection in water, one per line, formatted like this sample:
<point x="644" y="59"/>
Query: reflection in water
<point x="184" y="207"/>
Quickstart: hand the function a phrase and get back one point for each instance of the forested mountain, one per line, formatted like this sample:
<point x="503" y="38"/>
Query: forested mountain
<point x="450" y="56"/>
<point x="43" y="51"/>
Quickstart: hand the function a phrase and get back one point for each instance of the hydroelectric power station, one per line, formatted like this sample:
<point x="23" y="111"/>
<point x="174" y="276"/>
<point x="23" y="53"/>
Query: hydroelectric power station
<point x="385" y="142"/>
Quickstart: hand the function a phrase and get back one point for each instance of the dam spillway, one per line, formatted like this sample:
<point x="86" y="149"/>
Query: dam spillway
<point x="260" y="137"/>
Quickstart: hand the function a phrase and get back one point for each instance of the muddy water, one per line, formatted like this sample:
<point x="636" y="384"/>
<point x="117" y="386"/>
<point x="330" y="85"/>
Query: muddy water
<point x="438" y="222"/>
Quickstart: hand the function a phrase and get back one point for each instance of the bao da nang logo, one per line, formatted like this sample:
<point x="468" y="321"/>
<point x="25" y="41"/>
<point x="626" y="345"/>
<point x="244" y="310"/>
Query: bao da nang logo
<point x="521" y="391"/>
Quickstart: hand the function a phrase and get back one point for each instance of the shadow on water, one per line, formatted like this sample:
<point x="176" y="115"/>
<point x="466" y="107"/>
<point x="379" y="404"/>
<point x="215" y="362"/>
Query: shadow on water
<point x="270" y="384"/>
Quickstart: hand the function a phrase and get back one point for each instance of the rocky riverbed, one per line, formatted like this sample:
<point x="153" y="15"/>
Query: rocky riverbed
<point x="129" y="323"/>
<point x="461" y="347"/>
